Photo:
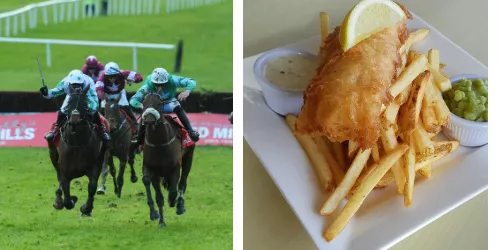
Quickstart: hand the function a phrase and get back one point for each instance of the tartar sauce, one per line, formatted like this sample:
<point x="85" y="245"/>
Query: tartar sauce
<point x="293" y="72"/>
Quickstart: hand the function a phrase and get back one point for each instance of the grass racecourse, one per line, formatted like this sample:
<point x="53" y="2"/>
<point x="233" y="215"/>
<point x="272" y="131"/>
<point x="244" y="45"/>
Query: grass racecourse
<point x="28" y="179"/>
<point x="28" y="220"/>
<point x="206" y="31"/>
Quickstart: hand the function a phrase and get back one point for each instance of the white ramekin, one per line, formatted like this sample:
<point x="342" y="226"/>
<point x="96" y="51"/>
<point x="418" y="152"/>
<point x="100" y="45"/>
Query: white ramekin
<point x="279" y="100"/>
<point x="469" y="133"/>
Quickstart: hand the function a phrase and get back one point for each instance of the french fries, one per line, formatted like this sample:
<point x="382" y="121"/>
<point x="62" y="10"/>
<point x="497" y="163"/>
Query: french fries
<point x="410" y="123"/>
<point x="411" y="109"/>
<point x="390" y="115"/>
<point x="423" y="143"/>
<point x="413" y="37"/>
<point x="409" y="74"/>
<point x="442" y="82"/>
<point x="390" y="142"/>
<point x="442" y="111"/>
<point x="363" y="190"/>
<point x="375" y="153"/>
<point x="338" y="151"/>
<point x="347" y="183"/>
<point x="409" y="160"/>
<point x="317" y="159"/>
<point x="337" y="172"/>
<point x="325" y="26"/>
<point x="429" y="118"/>
<point x="425" y="171"/>
<point x="352" y="149"/>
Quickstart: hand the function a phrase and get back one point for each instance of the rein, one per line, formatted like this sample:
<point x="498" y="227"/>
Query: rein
<point x="63" y="137"/>
<point x="164" y="144"/>
<point x="87" y="124"/>
<point x="155" y="123"/>
<point x="120" y="128"/>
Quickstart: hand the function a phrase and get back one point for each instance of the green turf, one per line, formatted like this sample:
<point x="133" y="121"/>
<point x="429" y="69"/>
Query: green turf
<point x="206" y="31"/>
<point x="28" y="220"/>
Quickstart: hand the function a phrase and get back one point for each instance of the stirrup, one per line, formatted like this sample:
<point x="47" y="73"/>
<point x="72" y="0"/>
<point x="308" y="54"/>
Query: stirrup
<point x="194" y="135"/>
<point x="50" y="136"/>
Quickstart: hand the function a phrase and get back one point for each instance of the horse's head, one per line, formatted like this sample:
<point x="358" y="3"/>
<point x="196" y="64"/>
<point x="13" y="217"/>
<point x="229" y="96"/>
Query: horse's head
<point x="112" y="113"/>
<point x="77" y="103"/>
<point x="152" y="107"/>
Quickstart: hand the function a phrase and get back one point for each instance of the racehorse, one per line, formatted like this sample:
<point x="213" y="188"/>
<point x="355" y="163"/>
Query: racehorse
<point x="119" y="145"/>
<point x="163" y="157"/>
<point x="79" y="152"/>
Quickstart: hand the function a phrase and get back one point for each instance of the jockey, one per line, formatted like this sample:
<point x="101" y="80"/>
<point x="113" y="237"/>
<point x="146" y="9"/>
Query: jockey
<point x="111" y="85"/>
<point x="166" y="85"/>
<point x="76" y="79"/>
<point x="92" y="67"/>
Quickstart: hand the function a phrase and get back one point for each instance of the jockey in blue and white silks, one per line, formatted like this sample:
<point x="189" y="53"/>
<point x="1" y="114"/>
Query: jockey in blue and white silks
<point x="76" y="79"/>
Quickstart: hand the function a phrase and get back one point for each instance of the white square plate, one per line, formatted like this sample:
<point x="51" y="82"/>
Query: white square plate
<point x="382" y="220"/>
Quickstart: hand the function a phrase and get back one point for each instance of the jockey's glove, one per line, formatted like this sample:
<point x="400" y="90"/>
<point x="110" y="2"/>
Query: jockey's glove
<point x="44" y="91"/>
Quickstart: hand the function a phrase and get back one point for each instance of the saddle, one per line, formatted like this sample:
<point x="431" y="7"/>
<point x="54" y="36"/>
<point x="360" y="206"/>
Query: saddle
<point x="58" y="132"/>
<point x="183" y="134"/>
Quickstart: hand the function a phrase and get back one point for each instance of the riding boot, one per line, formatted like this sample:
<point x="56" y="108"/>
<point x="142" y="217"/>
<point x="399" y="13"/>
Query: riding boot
<point x="181" y="114"/>
<point x="97" y="119"/>
<point x="51" y="134"/>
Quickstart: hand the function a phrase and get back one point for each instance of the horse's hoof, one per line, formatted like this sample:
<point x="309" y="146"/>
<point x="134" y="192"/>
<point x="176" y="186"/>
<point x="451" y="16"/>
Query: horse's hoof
<point x="101" y="190"/>
<point x="118" y="194"/>
<point x="133" y="179"/>
<point x="171" y="203"/>
<point x="154" y="216"/>
<point x="84" y="210"/>
<point x="180" y="210"/>
<point x="58" y="204"/>
<point x="69" y="204"/>
<point x="74" y="199"/>
<point x="162" y="225"/>
<point x="86" y="215"/>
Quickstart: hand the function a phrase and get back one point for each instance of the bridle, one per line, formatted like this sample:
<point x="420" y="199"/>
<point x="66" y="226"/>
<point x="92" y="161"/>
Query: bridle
<point x="160" y="121"/>
<point x="67" y="122"/>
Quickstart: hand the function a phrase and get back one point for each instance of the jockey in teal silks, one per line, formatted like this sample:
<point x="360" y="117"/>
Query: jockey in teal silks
<point x="166" y="85"/>
<point x="79" y="80"/>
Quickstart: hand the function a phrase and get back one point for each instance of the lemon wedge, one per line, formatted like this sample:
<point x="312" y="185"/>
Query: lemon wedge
<point x="368" y="17"/>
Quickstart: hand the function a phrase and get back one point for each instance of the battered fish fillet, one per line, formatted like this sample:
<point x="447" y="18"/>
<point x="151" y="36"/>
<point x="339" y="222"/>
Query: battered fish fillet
<point x="344" y="99"/>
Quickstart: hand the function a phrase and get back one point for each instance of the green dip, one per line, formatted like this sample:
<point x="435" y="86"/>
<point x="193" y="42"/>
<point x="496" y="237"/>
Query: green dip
<point x="468" y="99"/>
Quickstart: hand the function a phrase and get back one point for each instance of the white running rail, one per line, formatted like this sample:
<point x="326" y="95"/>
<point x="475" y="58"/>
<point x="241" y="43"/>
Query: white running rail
<point x="67" y="10"/>
<point x="48" y="42"/>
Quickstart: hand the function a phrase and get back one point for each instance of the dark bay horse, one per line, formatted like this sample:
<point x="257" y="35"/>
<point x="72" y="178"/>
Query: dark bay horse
<point x="80" y="152"/>
<point x="163" y="158"/>
<point x="119" y="146"/>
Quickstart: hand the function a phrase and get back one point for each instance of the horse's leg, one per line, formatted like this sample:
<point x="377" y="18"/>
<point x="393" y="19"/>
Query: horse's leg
<point x="86" y="208"/>
<point x="123" y="164"/>
<point x="112" y="170"/>
<point x="54" y="156"/>
<point x="58" y="203"/>
<point x="104" y="173"/>
<point x="153" y="214"/>
<point x="69" y="201"/>
<point x="160" y="201"/>
<point x="173" y="181"/>
<point x="187" y="161"/>
<point x="131" y="160"/>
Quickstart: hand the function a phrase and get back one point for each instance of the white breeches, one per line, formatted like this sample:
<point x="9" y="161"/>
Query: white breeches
<point x="122" y="96"/>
